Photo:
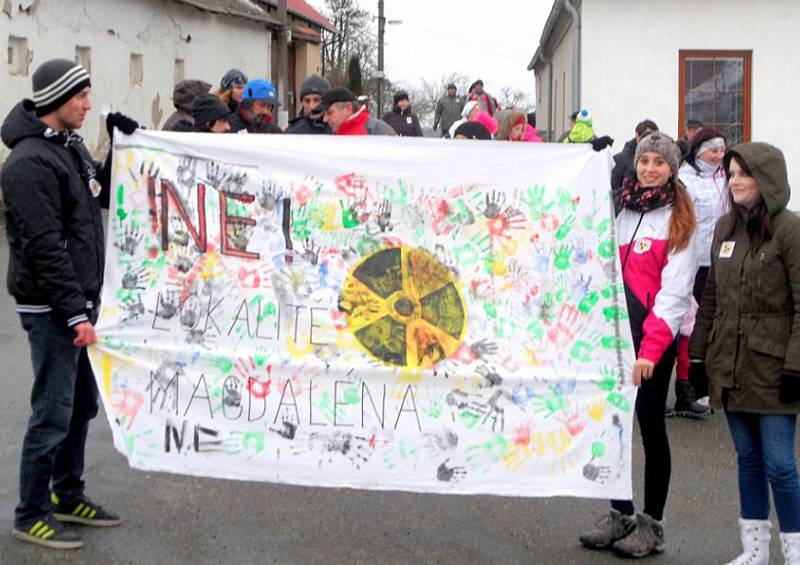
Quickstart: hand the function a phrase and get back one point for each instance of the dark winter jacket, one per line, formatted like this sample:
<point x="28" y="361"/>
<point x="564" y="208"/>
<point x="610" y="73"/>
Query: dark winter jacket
<point x="185" y="92"/>
<point x="623" y="162"/>
<point x="448" y="111"/>
<point x="305" y="124"/>
<point x="240" y="122"/>
<point x="405" y="123"/>
<point x="748" y="327"/>
<point x="53" y="222"/>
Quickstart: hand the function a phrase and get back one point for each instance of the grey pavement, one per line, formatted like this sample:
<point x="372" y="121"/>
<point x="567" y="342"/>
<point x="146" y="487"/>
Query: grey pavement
<point x="181" y="519"/>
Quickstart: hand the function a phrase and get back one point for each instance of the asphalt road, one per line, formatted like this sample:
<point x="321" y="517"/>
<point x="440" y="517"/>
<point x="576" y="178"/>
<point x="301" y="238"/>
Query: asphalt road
<point x="178" y="519"/>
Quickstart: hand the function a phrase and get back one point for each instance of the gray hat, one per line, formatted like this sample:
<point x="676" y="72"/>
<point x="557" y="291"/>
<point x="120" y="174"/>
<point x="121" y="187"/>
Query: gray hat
<point x="55" y="82"/>
<point x="314" y="84"/>
<point x="232" y="78"/>
<point x="662" y="144"/>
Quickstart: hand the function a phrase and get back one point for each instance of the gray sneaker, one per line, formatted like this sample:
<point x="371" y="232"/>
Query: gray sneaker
<point x="609" y="529"/>
<point x="646" y="538"/>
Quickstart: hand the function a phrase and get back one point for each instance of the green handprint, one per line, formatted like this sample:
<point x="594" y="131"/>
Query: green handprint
<point x="534" y="198"/>
<point x="606" y="248"/>
<point x="563" y="256"/>
<point x="562" y="288"/>
<point x="471" y="251"/>
<point x="299" y="220"/>
<point x="613" y="342"/>
<point x="565" y="227"/>
<point x="610" y="378"/>
<point x="609" y="291"/>
<point x="398" y="195"/>
<point x="602" y="227"/>
<point x="588" y="302"/>
<point x="580" y="351"/>
<point x="565" y="201"/>
<point x="616" y="400"/>
<point x="536" y="329"/>
<point x="349" y="216"/>
<point x="613" y="313"/>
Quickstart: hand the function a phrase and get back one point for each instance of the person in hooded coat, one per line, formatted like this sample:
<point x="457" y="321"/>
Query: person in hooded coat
<point x="182" y="97"/>
<point x="747" y="340"/>
<point x="401" y="118"/>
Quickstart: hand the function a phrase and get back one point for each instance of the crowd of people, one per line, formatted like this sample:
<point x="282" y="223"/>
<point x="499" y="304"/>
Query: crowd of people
<point x="710" y="260"/>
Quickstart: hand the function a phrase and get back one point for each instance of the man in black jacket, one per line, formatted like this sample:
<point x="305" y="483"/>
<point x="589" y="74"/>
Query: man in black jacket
<point x="52" y="188"/>
<point x="401" y="118"/>
<point x="308" y="121"/>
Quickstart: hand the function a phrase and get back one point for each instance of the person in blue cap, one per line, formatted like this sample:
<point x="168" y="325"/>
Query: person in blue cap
<point x="255" y="113"/>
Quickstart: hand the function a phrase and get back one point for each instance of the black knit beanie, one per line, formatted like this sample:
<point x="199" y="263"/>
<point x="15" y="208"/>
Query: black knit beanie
<point x="55" y="82"/>
<point x="207" y="108"/>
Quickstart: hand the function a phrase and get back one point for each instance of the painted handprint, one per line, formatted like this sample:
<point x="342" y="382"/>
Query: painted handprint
<point x="186" y="173"/>
<point x="385" y="216"/>
<point x="494" y="203"/>
<point x="299" y="223"/>
<point x="270" y="196"/>
<point x="448" y="474"/>
<point x="135" y="279"/>
<point x="216" y="174"/>
<point x="233" y="182"/>
<point x="310" y="252"/>
<point x="129" y="240"/>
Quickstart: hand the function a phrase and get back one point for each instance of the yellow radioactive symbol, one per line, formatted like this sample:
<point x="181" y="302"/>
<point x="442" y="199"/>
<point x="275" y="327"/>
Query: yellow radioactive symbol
<point x="404" y="307"/>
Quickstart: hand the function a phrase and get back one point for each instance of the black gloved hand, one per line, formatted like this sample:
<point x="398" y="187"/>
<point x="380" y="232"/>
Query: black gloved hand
<point x="120" y="121"/>
<point x="790" y="388"/>
<point x="600" y="143"/>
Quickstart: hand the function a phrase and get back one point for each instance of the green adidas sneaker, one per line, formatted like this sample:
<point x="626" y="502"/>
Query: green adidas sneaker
<point x="48" y="532"/>
<point x="81" y="510"/>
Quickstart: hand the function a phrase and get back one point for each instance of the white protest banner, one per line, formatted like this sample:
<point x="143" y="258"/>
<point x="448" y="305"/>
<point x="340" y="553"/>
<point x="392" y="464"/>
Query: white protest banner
<point x="380" y="313"/>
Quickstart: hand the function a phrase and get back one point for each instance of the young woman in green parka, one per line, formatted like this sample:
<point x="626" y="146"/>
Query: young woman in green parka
<point x="747" y="338"/>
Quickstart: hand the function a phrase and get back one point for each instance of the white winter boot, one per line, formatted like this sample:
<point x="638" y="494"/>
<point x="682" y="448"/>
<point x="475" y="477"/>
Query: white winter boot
<point x="755" y="542"/>
<point x="790" y="545"/>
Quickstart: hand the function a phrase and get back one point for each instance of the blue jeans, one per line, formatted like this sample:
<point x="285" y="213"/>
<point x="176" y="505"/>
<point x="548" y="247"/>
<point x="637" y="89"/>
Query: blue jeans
<point x="765" y="452"/>
<point x="63" y="400"/>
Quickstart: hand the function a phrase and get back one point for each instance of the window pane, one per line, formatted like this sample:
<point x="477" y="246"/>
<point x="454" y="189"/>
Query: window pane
<point x="729" y="75"/>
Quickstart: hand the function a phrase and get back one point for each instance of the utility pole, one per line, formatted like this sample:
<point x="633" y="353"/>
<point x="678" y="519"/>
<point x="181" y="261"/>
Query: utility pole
<point x="283" y="64"/>
<point x="381" y="26"/>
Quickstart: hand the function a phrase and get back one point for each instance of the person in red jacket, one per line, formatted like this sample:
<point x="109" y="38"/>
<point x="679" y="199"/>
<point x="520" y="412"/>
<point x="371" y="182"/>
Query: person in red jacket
<point x="656" y="234"/>
<point x="486" y="101"/>
<point x="339" y="107"/>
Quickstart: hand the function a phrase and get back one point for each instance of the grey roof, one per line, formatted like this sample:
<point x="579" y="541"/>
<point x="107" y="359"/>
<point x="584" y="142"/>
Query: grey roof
<point x="555" y="11"/>
<point x="242" y="8"/>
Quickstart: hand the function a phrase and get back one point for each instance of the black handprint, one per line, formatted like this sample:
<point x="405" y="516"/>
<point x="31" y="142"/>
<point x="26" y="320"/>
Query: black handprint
<point x="450" y="474"/>
<point x="130" y="240"/>
<point x="385" y="216"/>
<point x="269" y="197"/>
<point x="216" y="174"/>
<point x="598" y="473"/>
<point x="186" y="173"/>
<point x="483" y="348"/>
<point x="233" y="393"/>
<point x="134" y="280"/>
<point x="494" y="203"/>
<point x="311" y="252"/>
<point x="169" y="307"/>
<point x="491" y="376"/>
<point x="233" y="183"/>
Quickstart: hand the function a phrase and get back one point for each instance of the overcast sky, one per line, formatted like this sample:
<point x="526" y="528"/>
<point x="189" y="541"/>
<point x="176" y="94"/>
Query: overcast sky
<point x="489" y="39"/>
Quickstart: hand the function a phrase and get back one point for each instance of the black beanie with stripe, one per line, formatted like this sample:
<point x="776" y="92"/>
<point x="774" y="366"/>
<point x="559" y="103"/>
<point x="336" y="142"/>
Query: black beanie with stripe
<point x="55" y="82"/>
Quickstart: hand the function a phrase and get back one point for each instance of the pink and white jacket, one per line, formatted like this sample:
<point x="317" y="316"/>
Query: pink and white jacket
<point x="658" y="284"/>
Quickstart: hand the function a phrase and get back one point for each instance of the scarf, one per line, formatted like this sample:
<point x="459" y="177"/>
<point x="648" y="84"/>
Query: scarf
<point x="641" y="199"/>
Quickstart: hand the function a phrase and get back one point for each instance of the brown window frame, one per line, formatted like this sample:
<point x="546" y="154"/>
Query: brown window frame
<point x="747" y="70"/>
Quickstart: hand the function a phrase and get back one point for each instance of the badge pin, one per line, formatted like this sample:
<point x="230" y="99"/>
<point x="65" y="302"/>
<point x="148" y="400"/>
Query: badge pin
<point x="726" y="250"/>
<point x="642" y="246"/>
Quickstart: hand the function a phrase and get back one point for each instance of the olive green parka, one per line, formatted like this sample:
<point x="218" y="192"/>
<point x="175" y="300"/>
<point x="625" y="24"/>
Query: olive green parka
<point x="748" y="327"/>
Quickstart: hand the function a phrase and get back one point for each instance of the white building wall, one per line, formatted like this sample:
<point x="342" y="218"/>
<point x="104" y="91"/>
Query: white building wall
<point x="629" y="64"/>
<point x="160" y="30"/>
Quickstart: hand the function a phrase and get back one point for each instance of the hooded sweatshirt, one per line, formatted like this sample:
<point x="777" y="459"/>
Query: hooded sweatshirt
<point x="747" y="330"/>
<point x="184" y="94"/>
<point x="51" y="188"/>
